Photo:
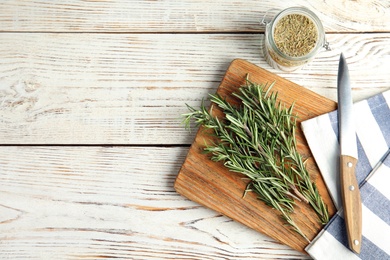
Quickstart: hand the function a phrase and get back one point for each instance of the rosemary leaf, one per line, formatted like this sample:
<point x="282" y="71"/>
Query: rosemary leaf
<point x="257" y="139"/>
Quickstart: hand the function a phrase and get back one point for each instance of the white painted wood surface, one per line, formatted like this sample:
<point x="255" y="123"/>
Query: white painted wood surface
<point x="100" y="86"/>
<point x="182" y="15"/>
<point x="91" y="202"/>
<point x="132" y="88"/>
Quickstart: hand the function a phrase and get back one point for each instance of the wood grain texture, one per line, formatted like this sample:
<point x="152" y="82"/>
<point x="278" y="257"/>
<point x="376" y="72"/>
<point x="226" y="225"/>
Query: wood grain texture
<point x="182" y="16"/>
<point x="110" y="72"/>
<point x="352" y="202"/>
<point x="112" y="202"/>
<point x="132" y="88"/>
<point x="214" y="186"/>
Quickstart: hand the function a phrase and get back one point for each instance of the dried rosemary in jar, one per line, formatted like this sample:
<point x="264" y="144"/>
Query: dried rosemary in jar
<point x="295" y="35"/>
<point x="293" y="38"/>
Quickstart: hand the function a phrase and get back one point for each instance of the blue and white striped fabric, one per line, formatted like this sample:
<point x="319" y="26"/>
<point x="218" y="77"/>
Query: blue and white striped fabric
<point x="373" y="134"/>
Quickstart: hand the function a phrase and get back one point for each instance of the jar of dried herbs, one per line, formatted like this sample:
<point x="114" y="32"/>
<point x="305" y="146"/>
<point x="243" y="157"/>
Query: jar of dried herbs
<point x="293" y="38"/>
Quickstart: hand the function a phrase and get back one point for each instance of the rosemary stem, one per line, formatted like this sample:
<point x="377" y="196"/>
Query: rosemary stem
<point x="257" y="139"/>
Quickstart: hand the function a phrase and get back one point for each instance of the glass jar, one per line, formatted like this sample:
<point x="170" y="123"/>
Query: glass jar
<point x="279" y="59"/>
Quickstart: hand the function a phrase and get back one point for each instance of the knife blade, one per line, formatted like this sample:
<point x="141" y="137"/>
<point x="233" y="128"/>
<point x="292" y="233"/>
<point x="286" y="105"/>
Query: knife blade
<point x="348" y="159"/>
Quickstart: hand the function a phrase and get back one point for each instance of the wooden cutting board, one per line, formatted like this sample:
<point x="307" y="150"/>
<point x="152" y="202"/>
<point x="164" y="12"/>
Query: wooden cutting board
<point x="212" y="185"/>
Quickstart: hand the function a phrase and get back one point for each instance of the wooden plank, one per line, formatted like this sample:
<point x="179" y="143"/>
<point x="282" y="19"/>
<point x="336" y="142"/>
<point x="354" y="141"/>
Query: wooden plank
<point x="132" y="88"/>
<point x="182" y="16"/>
<point x="214" y="186"/>
<point x="112" y="202"/>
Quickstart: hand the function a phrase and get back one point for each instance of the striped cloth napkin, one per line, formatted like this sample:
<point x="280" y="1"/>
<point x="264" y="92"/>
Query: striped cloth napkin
<point x="373" y="173"/>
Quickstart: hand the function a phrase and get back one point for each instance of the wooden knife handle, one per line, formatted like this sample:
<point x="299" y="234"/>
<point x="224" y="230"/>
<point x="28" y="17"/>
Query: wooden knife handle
<point x="352" y="203"/>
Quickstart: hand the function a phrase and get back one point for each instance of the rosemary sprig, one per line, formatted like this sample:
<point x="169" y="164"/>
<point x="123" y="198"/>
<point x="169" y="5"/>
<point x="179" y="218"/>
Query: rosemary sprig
<point x="257" y="139"/>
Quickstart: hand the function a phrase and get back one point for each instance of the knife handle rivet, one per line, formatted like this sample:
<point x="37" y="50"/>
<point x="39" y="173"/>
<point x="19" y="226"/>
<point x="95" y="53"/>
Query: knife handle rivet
<point x="356" y="242"/>
<point x="351" y="188"/>
<point x="349" y="164"/>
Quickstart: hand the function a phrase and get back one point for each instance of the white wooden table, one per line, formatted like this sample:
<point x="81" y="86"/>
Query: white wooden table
<point x="91" y="94"/>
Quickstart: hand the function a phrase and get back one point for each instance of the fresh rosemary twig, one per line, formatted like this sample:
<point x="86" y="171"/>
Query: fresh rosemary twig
<point x="258" y="140"/>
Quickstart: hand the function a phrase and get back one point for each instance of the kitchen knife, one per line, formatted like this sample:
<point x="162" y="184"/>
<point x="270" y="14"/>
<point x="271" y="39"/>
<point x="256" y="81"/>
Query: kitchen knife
<point x="348" y="159"/>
